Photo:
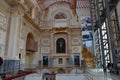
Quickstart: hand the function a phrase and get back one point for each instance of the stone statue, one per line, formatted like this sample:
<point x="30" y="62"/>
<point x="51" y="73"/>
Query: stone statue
<point x="88" y="57"/>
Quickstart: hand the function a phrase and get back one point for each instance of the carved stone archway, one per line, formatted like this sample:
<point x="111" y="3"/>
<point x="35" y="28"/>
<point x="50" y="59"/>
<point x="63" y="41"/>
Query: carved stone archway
<point x="29" y="56"/>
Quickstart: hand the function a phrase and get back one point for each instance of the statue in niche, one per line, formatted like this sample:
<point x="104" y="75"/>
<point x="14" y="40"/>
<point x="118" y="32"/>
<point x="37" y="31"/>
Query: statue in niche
<point x="60" y="46"/>
<point x="60" y="16"/>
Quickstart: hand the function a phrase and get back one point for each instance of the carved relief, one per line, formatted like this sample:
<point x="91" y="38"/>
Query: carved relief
<point x="17" y="11"/>
<point x="76" y="41"/>
<point x="60" y="16"/>
<point x="76" y="49"/>
<point x="45" y="50"/>
<point x="45" y="42"/>
<point x="2" y="36"/>
<point x="2" y="49"/>
<point x="2" y="42"/>
<point x="3" y="20"/>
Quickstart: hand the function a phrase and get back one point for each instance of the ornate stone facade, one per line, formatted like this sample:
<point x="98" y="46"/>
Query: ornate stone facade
<point x="56" y="31"/>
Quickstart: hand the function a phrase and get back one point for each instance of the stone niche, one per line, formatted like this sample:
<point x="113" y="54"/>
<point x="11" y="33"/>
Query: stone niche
<point x="76" y="41"/>
<point x="45" y="45"/>
<point x="45" y="42"/>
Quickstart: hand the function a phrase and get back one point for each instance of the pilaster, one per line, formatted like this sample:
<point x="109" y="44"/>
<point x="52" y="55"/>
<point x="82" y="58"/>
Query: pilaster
<point x="52" y="46"/>
<point x="16" y="15"/>
<point x="69" y="44"/>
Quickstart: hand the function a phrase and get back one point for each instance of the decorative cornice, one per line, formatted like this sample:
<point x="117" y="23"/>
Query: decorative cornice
<point x="60" y="29"/>
<point x="16" y="3"/>
<point x="29" y="19"/>
<point x="13" y="3"/>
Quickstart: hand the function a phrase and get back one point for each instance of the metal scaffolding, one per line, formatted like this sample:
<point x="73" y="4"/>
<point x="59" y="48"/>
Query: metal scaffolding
<point x="106" y="31"/>
<point x="97" y="45"/>
<point x="97" y="12"/>
<point x="113" y="30"/>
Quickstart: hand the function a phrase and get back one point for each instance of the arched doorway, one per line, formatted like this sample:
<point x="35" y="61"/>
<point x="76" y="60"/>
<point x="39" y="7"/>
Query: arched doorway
<point x="29" y="56"/>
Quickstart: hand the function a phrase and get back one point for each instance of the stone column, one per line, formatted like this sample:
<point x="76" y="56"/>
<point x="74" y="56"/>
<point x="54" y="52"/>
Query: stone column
<point x="33" y="12"/>
<point x="69" y="51"/>
<point x="69" y="44"/>
<point x="16" y="15"/>
<point x="52" y="46"/>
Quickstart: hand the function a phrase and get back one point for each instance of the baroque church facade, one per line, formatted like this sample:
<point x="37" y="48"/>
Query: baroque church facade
<point x="40" y="35"/>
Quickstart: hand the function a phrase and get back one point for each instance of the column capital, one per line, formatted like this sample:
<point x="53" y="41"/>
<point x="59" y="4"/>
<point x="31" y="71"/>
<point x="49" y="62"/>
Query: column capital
<point x="16" y="8"/>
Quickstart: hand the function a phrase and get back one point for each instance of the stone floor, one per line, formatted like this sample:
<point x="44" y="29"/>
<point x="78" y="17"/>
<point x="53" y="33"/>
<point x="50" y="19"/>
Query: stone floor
<point x="113" y="77"/>
<point x="90" y="74"/>
<point x="93" y="74"/>
<point x="100" y="75"/>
